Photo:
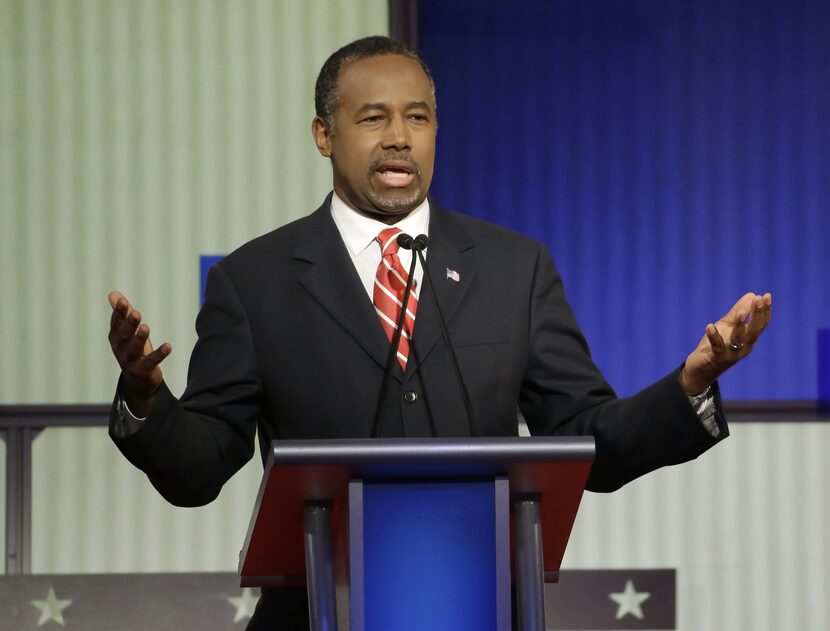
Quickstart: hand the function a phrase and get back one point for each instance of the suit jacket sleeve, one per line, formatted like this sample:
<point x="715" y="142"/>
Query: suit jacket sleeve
<point x="563" y="392"/>
<point x="190" y="447"/>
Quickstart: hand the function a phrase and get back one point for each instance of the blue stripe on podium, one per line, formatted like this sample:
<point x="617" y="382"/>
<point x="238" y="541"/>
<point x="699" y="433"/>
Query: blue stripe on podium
<point x="412" y="530"/>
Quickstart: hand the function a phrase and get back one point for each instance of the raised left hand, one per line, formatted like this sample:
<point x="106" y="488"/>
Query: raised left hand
<point x="726" y="342"/>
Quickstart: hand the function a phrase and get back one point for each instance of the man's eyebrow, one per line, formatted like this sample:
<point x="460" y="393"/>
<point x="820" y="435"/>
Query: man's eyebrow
<point x="371" y="106"/>
<point x="414" y="105"/>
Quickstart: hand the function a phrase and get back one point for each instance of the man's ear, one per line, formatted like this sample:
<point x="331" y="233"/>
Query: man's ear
<point x="321" y="134"/>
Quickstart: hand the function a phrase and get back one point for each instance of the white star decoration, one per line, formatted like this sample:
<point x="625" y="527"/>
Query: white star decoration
<point x="51" y="608"/>
<point x="629" y="601"/>
<point x="245" y="604"/>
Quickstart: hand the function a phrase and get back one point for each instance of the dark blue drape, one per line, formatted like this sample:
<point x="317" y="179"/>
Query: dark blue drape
<point x="673" y="155"/>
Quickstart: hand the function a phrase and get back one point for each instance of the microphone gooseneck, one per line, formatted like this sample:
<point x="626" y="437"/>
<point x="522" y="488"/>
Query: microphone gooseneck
<point x="405" y="241"/>
<point x="418" y="244"/>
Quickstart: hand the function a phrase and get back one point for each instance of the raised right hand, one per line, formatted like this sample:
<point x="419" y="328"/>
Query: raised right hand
<point x="130" y="342"/>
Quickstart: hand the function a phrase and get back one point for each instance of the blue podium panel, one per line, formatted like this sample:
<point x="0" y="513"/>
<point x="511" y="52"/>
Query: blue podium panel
<point x="431" y="556"/>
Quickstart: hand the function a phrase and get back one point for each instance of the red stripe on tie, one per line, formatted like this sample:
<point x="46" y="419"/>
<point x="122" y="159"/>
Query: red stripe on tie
<point x="392" y="277"/>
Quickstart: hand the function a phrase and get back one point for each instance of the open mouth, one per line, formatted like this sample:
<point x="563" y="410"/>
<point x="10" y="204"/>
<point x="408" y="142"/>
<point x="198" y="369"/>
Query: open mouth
<point x="395" y="173"/>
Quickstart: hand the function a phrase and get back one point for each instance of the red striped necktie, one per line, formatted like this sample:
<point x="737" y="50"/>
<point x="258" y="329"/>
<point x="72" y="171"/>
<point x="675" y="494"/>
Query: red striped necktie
<point x="390" y="283"/>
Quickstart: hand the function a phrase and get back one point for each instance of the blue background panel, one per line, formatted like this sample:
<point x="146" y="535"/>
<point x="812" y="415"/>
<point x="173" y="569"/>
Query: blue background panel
<point x="672" y="154"/>
<point x="410" y="530"/>
<point x="824" y="369"/>
<point x="205" y="262"/>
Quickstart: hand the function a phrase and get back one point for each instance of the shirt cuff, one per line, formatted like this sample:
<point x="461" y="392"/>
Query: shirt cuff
<point x="126" y="423"/>
<point x="704" y="406"/>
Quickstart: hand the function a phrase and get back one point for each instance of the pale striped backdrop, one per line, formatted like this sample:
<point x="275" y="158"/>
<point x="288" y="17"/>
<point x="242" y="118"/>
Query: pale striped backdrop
<point x="746" y="525"/>
<point x="135" y="136"/>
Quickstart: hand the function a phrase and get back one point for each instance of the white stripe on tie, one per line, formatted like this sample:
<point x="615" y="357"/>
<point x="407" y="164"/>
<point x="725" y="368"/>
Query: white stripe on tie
<point x="390" y="283"/>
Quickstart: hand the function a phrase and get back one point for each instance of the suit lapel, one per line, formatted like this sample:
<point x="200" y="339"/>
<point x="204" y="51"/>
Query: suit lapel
<point x="451" y="249"/>
<point x="333" y="281"/>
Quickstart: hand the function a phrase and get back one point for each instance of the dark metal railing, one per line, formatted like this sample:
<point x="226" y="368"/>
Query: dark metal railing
<point x="19" y="426"/>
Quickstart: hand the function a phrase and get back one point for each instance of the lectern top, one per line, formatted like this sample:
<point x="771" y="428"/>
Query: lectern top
<point x="431" y="450"/>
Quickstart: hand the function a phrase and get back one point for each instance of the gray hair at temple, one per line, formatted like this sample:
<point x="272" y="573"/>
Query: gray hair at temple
<point x="325" y="90"/>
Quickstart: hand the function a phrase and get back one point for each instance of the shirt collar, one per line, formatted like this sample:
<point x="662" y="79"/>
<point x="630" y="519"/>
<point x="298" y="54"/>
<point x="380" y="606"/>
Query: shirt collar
<point x="359" y="231"/>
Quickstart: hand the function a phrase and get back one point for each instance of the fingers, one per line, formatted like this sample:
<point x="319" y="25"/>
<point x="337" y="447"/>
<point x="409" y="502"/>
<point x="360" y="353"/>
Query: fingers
<point x="715" y="339"/>
<point x="129" y="337"/>
<point x="723" y="350"/>
<point x="756" y="320"/>
<point x="728" y="351"/>
<point x="124" y="324"/>
<point x="134" y="348"/>
<point x="126" y="330"/>
<point x="745" y="322"/>
<point x="767" y="308"/>
<point x="759" y="318"/>
<point x="120" y="309"/>
<point x="154" y="358"/>
<point x="115" y="297"/>
<point x="738" y="337"/>
<point x="709" y="360"/>
<point x="130" y="341"/>
<point x="744" y="305"/>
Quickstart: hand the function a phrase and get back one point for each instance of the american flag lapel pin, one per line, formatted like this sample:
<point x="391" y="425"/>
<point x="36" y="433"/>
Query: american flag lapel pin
<point x="453" y="275"/>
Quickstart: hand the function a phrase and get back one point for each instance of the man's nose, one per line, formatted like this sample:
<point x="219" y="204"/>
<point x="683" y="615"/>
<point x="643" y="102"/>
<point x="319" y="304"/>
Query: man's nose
<point x="397" y="134"/>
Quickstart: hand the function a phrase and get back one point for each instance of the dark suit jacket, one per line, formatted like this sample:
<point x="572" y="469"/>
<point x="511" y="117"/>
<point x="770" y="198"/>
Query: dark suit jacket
<point x="290" y="343"/>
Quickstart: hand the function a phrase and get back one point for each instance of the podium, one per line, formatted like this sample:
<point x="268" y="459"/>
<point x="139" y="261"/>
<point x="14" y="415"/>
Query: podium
<point x="417" y="533"/>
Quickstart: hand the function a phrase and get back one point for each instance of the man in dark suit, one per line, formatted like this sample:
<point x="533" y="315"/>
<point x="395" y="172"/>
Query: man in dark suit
<point x="293" y="340"/>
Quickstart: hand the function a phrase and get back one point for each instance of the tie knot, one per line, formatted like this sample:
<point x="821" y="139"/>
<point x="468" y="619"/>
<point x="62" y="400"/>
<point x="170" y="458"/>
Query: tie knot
<point x="388" y="241"/>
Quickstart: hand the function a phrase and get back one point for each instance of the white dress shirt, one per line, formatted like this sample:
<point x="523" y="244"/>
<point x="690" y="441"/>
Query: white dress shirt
<point x="360" y="234"/>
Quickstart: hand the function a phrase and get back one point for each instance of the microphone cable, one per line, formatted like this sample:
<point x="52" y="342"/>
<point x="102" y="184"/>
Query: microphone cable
<point x="418" y="244"/>
<point x="405" y="241"/>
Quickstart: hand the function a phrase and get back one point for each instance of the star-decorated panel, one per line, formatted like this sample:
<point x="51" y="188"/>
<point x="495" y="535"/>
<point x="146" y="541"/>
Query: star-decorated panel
<point x="583" y="599"/>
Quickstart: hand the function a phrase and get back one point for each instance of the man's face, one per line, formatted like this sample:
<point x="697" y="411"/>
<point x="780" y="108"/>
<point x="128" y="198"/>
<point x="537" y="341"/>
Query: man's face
<point x="382" y="147"/>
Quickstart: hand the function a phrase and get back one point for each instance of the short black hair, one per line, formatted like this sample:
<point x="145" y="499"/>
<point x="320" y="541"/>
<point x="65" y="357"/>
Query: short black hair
<point x="325" y="90"/>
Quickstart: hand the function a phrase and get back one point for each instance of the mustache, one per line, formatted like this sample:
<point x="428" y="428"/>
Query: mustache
<point x="394" y="156"/>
